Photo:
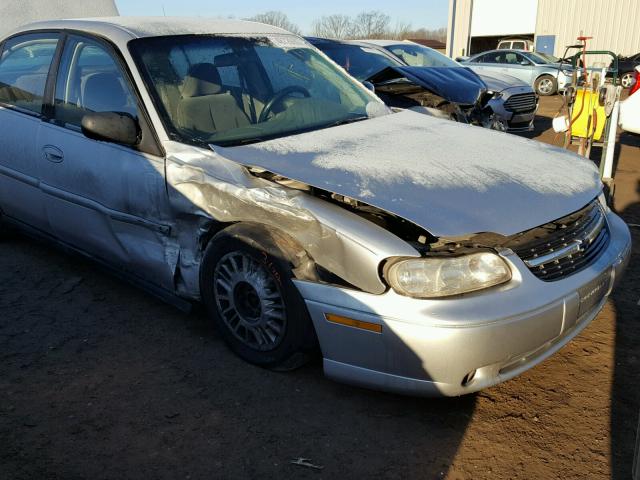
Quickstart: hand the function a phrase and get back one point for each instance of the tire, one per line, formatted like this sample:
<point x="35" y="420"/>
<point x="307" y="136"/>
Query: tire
<point x="546" y="85"/>
<point x="626" y="79"/>
<point x="247" y="289"/>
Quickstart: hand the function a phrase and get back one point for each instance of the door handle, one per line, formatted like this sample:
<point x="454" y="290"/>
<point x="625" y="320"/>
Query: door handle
<point x="53" y="154"/>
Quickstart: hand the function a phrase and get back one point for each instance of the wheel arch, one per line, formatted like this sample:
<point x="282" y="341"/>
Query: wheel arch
<point x="274" y="241"/>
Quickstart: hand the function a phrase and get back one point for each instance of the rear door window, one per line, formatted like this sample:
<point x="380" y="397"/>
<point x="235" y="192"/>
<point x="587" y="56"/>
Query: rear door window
<point x="24" y="66"/>
<point x="493" y="57"/>
<point x="518" y="45"/>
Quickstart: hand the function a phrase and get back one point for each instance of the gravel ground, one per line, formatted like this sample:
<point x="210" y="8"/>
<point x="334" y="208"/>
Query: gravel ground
<point x="99" y="380"/>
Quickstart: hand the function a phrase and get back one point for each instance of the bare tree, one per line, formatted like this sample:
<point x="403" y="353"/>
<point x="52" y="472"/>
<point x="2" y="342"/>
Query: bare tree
<point x="277" y="19"/>
<point x="333" y="26"/>
<point x="371" y="24"/>
<point x="437" y="34"/>
<point x="401" y="31"/>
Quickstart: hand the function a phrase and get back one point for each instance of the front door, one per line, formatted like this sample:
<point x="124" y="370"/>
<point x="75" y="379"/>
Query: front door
<point x="516" y="65"/>
<point x="106" y="199"/>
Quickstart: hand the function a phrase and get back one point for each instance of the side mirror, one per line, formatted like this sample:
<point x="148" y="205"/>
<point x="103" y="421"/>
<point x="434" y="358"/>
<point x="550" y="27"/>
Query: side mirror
<point x="525" y="63"/>
<point x="112" y="127"/>
<point x="369" y="86"/>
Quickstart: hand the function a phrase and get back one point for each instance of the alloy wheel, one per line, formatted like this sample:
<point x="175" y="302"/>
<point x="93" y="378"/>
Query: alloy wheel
<point x="545" y="86"/>
<point x="249" y="301"/>
<point x="626" y="80"/>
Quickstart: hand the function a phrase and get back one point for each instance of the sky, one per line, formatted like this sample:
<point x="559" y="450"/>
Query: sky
<point x="429" y="14"/>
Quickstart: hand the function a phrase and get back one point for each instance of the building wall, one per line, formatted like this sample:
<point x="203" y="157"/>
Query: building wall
<point x="14" y="13"/>
<point x="613" y="24"/>
<point x="490" y="18"/>
<point x="459" y="26"/>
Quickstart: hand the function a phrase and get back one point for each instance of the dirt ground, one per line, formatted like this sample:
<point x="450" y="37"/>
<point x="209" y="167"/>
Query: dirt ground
<point x="99" y="380"/>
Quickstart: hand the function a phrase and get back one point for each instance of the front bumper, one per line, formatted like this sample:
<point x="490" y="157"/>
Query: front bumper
<point x="429" y="347"/>
<point x="513" y="121"/>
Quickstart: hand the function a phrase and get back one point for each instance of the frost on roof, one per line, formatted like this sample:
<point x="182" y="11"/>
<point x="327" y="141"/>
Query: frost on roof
<point x="153" y="26"/>
<point x="452" y="179"/>
<point x="16" y="13"/>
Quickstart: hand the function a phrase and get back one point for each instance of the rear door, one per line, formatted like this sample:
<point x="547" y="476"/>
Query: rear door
<point x="489" y="62"/>
<point x="106" y="199"/>
<point x="25" y="62"/>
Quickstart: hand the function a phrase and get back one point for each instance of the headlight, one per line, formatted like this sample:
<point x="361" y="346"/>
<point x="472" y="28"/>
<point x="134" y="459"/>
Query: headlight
<point x="443" y="276"/>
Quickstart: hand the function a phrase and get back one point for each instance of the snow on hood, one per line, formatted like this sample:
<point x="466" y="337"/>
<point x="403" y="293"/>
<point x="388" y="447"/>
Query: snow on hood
<point x="449" y="178"/>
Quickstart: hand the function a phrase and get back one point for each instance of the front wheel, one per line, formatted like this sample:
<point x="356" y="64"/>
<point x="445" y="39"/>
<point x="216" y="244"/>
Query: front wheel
<point x="546" y="85"/>
<point x="626" y="80"/>
<point x="247" y="288"/>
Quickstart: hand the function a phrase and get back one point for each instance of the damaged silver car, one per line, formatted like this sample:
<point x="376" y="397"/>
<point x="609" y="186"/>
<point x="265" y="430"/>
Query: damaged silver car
<point x="233" y="163"/>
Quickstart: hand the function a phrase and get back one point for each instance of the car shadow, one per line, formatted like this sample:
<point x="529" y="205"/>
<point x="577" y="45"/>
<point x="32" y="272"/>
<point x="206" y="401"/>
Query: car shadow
<point x="102" y="380"/>
<point x="625" y="394"/>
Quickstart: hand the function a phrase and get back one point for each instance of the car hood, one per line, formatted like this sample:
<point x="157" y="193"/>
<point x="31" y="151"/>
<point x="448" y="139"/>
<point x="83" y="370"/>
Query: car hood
<point x="497" y="82"/>
<point x="455" y="84"/>
<point x="449" y="178"/>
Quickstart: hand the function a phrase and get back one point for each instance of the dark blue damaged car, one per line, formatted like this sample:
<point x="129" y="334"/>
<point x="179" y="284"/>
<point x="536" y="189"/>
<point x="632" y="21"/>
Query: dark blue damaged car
<point x="442" y="87"/>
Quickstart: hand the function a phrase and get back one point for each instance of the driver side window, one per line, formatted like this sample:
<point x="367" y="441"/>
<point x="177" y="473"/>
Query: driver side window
<point x="511" y="58"/>
<point x="90" y="80"/>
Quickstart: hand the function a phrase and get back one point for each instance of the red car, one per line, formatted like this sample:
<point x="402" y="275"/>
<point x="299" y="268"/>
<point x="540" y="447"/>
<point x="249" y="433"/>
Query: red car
<point x="635" y="85"/>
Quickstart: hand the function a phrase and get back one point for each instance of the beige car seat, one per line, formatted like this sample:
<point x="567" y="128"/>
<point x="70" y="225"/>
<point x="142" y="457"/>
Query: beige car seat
<point x="205" y="105"/>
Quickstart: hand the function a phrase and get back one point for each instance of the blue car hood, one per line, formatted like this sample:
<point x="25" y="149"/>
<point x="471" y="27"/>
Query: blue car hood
<point x="455" y="84"/>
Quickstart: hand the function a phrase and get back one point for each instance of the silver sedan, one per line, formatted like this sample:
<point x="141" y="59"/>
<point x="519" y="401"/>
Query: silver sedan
<point x="547" y="78"/>
<point x="232" y="163"/>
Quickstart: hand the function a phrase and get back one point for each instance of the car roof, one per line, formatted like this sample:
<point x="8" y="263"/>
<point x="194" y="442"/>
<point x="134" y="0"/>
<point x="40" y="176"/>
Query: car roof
<point x="321" y="42"/>
<point x="124" y="29"/>
<point x="385" y="43"/>
<point x="500" y="50"/>
<point x="329" y="41"/>
<point x="333" y="41"/>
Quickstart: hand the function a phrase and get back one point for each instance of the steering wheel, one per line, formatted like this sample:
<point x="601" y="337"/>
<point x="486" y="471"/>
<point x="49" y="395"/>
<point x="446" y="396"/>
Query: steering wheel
<point x="278" y="97"/>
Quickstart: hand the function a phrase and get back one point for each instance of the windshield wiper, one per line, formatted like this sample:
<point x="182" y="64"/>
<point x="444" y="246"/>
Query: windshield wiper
<point x="272" y="136"/>
<point x="344" y="121"/>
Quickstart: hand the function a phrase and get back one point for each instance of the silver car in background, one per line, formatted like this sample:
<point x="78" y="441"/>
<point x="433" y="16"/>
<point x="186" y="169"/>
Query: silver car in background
<point x="513" y="102"/>
<point x="547" y="78"/>
<point x="232" y="163"/>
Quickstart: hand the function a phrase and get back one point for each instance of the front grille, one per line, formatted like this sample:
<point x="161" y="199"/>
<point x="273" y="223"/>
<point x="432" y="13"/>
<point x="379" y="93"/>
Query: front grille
<point x="566" y="246"/>
<point x="520" y="103"/>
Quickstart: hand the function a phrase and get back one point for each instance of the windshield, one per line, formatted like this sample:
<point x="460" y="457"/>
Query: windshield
<point x="234" y="90"/>
<point x="537" y="58"/>
<point x="420" y="56"/>
<point x="547" y="57"/>
<point x="360" y="61"/>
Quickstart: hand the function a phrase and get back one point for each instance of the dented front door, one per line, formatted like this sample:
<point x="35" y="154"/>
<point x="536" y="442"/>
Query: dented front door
<point x="106" y="199"/>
